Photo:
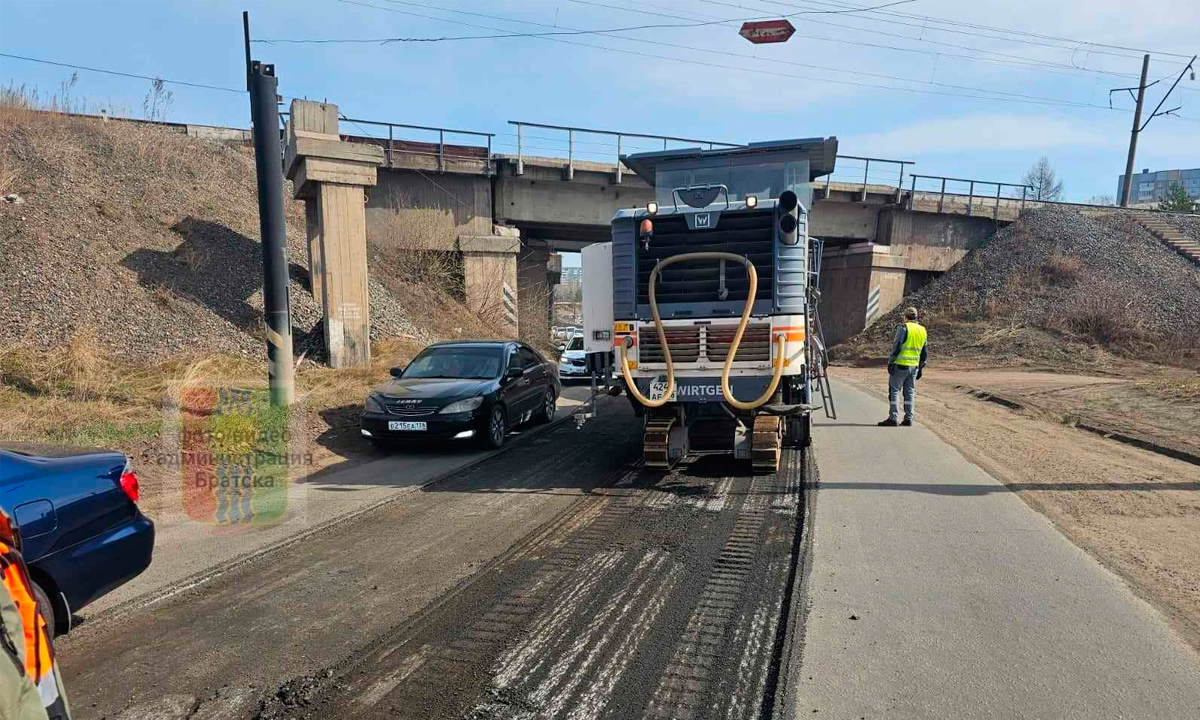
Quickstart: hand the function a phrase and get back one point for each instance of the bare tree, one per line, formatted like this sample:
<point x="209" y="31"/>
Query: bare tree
<point x="1043" y="181"/>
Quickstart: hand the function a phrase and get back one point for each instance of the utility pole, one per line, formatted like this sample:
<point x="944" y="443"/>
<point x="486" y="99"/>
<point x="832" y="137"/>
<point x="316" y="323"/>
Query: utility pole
<point x="1133" y="135"/>
<point x="1138" y="125"/>
<point x="268" y="163"/>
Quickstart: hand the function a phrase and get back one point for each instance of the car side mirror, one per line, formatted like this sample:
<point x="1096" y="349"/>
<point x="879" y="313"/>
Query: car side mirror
<point x="514" y="372"/>
<point x="396" y="371"/>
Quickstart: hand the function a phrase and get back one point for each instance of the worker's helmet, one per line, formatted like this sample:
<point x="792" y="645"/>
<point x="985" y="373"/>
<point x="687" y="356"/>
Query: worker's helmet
<point x="910" y="313"/>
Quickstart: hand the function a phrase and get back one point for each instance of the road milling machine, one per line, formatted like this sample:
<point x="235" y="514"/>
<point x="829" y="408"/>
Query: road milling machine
<point x="706" y="300"/>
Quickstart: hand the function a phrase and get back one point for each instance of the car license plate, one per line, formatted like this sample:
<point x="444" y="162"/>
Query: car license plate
<point x="397" y="425"/>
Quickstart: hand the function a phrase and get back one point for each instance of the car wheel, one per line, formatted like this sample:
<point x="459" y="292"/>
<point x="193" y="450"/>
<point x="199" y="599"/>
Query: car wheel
<point x="497" y="428"/>
<point x="45" y="606"/>
<point x="546" y="412"/>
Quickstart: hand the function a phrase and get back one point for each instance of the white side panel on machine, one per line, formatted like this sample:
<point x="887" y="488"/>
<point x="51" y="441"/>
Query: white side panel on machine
<point x="597" y="298"/>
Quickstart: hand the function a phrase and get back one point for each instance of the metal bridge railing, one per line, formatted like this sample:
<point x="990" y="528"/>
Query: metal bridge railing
<point x="441" y="154"/>
<point x="970" y="195"/>
<point x="620" y="136"/>
<point x="440" y="151"/>
<point x="887" y="167"/>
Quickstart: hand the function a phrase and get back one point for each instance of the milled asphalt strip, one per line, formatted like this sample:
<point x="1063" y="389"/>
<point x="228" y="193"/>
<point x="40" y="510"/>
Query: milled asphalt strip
<point x="789" y="652"/>
<point x="155" y="597"/>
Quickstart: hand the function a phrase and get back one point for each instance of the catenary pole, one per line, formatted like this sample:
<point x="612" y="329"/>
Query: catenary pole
<point x="268" y="163"/>
<point x="1133" y="135"/>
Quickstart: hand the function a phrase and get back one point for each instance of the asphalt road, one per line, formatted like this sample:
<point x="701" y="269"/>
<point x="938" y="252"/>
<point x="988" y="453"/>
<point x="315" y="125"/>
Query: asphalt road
<point x="934" y="592"/>
<point x="557" y="578"/>
<point x="186" y="550"/>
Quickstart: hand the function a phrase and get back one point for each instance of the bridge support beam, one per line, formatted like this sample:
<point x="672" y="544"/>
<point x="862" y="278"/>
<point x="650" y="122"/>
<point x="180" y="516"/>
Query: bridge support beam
<point x="330" y="175"/>
<point x="539" y="270"/>
<point x="490" y="277"/>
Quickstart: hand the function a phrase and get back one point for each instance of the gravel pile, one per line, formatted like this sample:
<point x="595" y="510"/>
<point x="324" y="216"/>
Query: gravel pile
<point x="1053" y="272"/>
<point x="150" y="238"/>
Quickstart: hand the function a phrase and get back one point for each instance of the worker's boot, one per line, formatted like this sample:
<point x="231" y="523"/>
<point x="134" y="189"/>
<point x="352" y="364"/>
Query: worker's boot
<point x="889" y="423"/>
<point x="907" y="422"/>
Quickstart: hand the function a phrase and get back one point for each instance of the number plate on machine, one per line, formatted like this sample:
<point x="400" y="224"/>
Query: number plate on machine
<point x="397" y="425"/>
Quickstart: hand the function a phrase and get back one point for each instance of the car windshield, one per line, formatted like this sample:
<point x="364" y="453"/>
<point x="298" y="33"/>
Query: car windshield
<point x="576" y="343"/>
<point x="456" y="362"/>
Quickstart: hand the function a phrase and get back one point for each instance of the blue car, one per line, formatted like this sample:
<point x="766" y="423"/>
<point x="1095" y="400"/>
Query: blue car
<point x="81" y="531"/>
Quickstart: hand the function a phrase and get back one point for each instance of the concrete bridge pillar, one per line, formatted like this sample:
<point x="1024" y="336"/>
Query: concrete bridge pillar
<point x="490" y="277"/>
<point x="330" y="175"/>
<point x="539" y="270"/>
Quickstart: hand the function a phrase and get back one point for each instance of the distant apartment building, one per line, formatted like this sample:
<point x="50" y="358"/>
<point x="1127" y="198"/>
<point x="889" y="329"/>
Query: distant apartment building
<point x="1151" y="187"/>
<point x="572" y="274"/>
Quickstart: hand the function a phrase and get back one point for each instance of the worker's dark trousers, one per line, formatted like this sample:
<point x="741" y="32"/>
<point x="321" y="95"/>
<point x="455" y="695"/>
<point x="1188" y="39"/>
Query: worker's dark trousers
<point x="901" y="379"/>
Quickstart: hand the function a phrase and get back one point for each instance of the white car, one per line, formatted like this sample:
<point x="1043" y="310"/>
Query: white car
<point x="573" y="361"/>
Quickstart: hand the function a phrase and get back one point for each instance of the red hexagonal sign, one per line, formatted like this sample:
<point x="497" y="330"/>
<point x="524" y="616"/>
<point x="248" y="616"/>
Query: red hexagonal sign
<point x="767" y="31"/>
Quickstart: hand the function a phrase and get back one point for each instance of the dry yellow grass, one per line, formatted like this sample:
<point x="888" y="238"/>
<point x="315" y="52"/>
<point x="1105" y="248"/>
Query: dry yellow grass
<point x="81" y="395"/>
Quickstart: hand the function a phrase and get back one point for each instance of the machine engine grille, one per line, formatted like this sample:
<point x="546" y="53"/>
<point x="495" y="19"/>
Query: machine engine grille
<point x="687" y="341"/>
<point x="684" y="341"/>
<point x="747" y="233"/>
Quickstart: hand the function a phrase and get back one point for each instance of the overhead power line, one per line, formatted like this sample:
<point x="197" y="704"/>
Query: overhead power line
<point x="564" y="32"/>
<point x="994" y="94"/>
<point x="117" y="73"/>
<point x="1006" y="59"/>
<point x="925" y="19"/>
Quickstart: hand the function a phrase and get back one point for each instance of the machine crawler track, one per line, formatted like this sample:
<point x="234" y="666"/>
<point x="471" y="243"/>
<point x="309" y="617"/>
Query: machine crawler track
<point x="766" y="444"/>
<point x="656" y="442"/>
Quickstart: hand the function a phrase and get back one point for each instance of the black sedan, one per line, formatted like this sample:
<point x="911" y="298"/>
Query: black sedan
<point x="463" y="390"/>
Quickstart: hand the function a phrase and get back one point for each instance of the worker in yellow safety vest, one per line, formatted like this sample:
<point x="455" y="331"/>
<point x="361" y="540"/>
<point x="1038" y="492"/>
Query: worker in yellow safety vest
<point x="905" y="366"/>
<point x="29" y="677"/>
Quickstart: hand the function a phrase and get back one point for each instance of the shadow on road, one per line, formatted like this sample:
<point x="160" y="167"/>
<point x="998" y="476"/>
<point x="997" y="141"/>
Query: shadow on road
<point x="951" y="489"/>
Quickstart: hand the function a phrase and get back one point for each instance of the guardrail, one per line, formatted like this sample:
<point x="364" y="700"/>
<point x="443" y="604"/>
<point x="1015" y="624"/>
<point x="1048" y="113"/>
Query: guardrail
<point x="441" y="148"/>
<point x="442" y="156"/>
<point x="942" y="194"/>
<point x="867" y="171"/>
<point x="620" y="136"/>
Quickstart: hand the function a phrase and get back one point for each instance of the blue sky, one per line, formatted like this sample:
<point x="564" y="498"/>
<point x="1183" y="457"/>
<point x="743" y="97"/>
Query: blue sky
<point x="744" y="93"/>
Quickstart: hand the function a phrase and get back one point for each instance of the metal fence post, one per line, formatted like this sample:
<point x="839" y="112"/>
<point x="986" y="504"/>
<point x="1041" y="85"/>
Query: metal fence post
<point x="970" y="196"/>
<point x="996" y="210"/>
<point x="828" y="179"/>
<point x="618" y="159"/>
<point x="1023" y="189"/>
<point x="441" y="151"/>
<point x="520" y="158"/>
<point x="570" y="154"/>
<point x="942" y="196"/>
<point x="866" y="169"/>
<point x="490" y="168"/>
<point x="390" y="150"/>
<point x="900" y="185"/>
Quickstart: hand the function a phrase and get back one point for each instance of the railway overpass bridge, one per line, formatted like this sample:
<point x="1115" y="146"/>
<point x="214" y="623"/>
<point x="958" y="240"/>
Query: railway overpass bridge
<point x="507" y="215"/>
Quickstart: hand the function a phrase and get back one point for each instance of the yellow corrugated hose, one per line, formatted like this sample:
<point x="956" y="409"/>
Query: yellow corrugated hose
<point x="733" y="346"/>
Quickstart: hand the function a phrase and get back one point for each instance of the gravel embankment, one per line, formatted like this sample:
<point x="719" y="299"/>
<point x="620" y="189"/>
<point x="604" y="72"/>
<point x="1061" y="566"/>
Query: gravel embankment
<point x="1054" y="266"/>
<point x="151" y="239"/>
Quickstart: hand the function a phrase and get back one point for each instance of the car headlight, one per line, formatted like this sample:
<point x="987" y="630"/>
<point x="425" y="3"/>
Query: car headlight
<point x="462" y="406"/>
<point x="373" y="404"/>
